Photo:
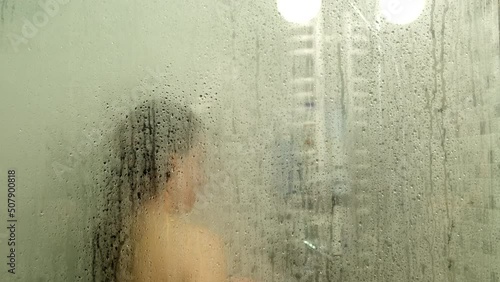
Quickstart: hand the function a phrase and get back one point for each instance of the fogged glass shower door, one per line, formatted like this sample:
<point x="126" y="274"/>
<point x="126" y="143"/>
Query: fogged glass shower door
<point x="342" y="140"/>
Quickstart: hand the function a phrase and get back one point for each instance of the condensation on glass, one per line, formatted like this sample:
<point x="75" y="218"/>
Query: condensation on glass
<point x="359" y="141"/>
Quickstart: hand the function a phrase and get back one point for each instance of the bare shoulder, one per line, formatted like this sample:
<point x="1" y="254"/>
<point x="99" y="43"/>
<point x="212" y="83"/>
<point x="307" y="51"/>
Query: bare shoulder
<point x="204" y="238"/>
<point x="208" y="261"/>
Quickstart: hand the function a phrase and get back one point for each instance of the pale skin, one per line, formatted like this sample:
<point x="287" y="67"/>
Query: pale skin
<point x="167" y="248"/>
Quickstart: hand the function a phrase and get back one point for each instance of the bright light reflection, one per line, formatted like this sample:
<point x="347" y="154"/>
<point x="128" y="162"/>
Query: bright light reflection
<point x="299" y="11"/>
<point x="401" y="11"/>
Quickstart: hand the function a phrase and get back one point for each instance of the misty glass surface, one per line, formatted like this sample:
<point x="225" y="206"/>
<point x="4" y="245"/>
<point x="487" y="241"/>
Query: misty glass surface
<point x="362" y="145"/>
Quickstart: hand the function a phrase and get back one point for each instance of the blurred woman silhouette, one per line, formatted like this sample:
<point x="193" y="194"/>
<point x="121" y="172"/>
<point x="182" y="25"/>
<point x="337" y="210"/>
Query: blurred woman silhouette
<point x="154" y="170"/>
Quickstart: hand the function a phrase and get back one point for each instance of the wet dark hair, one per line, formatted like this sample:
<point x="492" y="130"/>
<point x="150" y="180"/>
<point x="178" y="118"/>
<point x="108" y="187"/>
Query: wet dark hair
<point x="137" y="166"/>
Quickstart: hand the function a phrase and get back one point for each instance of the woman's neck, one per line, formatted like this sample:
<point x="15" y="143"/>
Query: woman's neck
<point x="163" y="207"/>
